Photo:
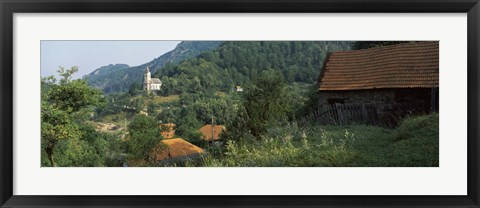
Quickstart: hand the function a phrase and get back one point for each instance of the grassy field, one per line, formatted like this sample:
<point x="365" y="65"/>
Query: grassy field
<point x="120" y="117"/>
<point x="413" y="143"/>
<point x="167" y="99"/>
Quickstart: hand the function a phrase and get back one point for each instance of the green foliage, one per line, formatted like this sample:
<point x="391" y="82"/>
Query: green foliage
<point x="135" y="89"/>
<point x="139" y="104"/>
<point x="239" y="62"/>
<point x="312" y="101"/>
<point x="65" y="105"/>
<point x="419" y="126"/>
<point x="143" y="139"/>
<point x="263" y="102"/>
<point x="336" y="146"/>
<point x="90" y="149"/>
<point x="72" y="95"/>
<point x="223" y="108"/>
<point x="57" y="125"/>
<point x="120" y="77"/>
<point x="188" y="124"/>
<point x="277" y="78"/>
<point x="419" y="137"/>
<point x="295" y="98"/>
<point x="285" y="150"/>
<point x="372" y="44"/>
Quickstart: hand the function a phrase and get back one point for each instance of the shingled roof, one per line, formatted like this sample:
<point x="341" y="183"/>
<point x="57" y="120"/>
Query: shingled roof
<point x="177" y="148"/>
<point x="206" y="132"/>
<point x="407" y="65"/>
<point x="156" y="81"/>
<point x="171" y="149"/>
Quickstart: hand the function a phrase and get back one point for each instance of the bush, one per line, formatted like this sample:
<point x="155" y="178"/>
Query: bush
<point x="416" y="142"/>
<point x="415" y="127"/>
<point x="144" y="139"/>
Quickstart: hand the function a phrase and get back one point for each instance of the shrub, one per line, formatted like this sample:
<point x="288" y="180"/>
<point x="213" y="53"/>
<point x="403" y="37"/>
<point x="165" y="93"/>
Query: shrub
<point x="416" y="142"/>
<point x="420" y="126"/>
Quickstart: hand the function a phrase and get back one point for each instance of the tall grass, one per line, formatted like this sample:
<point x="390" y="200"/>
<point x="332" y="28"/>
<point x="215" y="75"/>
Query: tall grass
<point x="286" y="150"/>
<point x="416" y="142"/>
<point x="413" y="143"/>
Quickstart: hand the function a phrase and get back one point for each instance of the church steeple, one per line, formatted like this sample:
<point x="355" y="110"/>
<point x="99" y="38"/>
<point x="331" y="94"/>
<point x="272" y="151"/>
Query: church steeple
<point x="147" y="79"/>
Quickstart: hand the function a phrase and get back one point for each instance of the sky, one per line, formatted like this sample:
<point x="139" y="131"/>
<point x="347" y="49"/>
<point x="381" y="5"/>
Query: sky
<point x="90" y="55"/>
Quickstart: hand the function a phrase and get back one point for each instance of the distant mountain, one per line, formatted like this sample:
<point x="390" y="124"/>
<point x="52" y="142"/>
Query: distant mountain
<point x="108" y="69"/>
<point x="119" y="77"/>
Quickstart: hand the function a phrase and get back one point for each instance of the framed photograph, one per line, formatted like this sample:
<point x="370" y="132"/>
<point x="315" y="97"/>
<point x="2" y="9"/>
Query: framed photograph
<point x="244" y="104"/>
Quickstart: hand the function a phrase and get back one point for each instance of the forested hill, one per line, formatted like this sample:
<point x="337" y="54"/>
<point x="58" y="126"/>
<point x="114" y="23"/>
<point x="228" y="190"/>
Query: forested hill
<point x="119" y="77"/>
<point x="237" y="62"/>
<point x="108" y="69"/>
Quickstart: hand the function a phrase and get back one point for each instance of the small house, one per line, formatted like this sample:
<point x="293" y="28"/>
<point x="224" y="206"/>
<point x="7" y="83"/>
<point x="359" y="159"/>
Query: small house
<point x="238" y="88"/>
<point x="178" y="149"/>
<point x="170" y="151"/>
<point x="211" y="132"/>
<point x="379" y="85"/>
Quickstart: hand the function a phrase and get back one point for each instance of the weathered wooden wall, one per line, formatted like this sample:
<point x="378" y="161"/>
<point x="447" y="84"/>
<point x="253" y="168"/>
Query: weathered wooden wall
<point x="380" y="107"/>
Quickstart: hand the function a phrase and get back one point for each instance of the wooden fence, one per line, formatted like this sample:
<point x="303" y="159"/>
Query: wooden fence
<point x="378" y="114"/>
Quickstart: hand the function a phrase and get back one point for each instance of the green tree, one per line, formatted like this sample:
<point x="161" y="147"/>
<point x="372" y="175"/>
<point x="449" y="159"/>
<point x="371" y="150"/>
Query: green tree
<point x="57" y="125"/>
<point x="72" y="95"/>
<point x="90" y="149"/>
<point x="263" y="103"/>
<point x="372" y="44"/>
<point x="188" y="124"/>
<point x="135" y="89"/>
<point x="312" y="101"/>
<point x="144" y="139"/>
<point x="64" y="106"/>
<point x="139" y="104"/>
<point x="238" y="62"/>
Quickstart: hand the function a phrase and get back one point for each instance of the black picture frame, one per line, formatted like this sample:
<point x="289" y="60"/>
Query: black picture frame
<point x="9" y="7"/>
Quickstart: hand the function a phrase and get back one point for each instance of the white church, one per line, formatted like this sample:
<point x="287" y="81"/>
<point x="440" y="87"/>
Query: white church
<point x="149" y="83"/>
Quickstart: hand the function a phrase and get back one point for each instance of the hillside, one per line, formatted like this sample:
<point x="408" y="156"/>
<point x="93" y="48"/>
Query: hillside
<point x="108" y="69"/>
<point x="119" y="77"/>
<point x="260" y="103"/>
<point x="238" y="62"/>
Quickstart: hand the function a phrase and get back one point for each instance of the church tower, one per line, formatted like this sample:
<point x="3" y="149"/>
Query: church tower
<point x="147" y="79"/>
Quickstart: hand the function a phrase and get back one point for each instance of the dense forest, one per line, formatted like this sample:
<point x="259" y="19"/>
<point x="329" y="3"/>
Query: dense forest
<point x="238" y="62"/>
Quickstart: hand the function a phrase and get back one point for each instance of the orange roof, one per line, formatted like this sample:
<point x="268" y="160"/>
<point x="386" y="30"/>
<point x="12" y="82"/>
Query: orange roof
<point x="176" y="148"/>
<point x="408" y="65"/>
<point x="169" y="130"/>
<point x="206" y="132"/>
<point x="136" y="163"/>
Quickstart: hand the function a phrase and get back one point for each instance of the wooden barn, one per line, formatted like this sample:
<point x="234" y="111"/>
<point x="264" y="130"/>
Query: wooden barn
<point x="380" y="85"/>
